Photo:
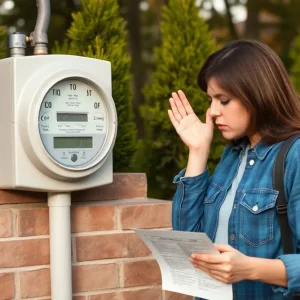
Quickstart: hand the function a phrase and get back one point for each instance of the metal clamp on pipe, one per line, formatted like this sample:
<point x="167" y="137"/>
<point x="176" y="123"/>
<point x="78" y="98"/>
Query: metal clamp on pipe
<point x="17" y="44"/>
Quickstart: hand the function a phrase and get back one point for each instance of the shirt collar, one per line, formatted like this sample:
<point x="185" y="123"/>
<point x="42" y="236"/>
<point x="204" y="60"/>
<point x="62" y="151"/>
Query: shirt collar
<point x="261" y="149"/>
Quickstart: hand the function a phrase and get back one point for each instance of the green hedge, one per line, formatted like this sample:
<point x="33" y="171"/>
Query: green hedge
<point x="3" y="42"/>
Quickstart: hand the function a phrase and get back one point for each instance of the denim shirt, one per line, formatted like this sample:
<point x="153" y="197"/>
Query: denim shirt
<point x="253" y="227"/>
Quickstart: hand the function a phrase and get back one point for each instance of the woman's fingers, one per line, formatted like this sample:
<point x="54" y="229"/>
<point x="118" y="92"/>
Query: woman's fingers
<point x="210" y="271"/>
<point x="179" y="105"/>
<point x="175" y="110"/>
<point x="201" y="265"/>
<point x="185" y="103"/>
<point x="219" y="275"/>
<point x="172" y="118"/>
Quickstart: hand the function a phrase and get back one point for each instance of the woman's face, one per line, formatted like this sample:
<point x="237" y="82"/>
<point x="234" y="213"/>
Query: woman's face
<point x="231" y="116"/>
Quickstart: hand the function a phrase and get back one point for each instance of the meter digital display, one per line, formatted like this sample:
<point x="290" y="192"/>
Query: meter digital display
<point x="73" y="142"/>
<point x="69" y="117"/>
<point x="73" y="122"/>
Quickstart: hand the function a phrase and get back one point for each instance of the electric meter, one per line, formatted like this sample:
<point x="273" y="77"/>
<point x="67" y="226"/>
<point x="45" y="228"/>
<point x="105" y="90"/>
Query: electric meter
<point x="59" y="122"/>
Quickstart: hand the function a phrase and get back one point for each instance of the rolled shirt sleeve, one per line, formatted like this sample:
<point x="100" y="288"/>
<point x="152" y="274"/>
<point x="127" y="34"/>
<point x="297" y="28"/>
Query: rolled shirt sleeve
<point x="187" y="209"/>
<point x="292" y="265"/>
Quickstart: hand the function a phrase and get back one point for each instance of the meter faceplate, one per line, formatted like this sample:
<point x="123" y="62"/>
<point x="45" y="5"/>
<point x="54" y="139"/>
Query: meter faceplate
<point x="73" y="123"/>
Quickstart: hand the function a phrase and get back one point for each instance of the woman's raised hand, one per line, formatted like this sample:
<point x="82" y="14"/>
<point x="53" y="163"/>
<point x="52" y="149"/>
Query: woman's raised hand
<point x="194" y="133"/>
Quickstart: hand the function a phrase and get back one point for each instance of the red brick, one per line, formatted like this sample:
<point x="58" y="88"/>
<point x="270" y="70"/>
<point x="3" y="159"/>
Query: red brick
<point x="41" y="286"/>
<point x="115" y="245"/>
<point x="143" y="294"/>
<point x="141" y="273"/>
<point x="107" y="296"/>
<point x="33" y="222"/>
<point x="5" y="223"/>
<point x="155" y="215"/>
<point x="95" y="277"/>
<point x="93" y="218"/>
<point x="13" y="196"/>
<point x="176" y="296"/>
<point x="124" y="186"/>
<point x="7" y="286"/>
<point x="24" y="253"/>
<point x="79" y="298"/>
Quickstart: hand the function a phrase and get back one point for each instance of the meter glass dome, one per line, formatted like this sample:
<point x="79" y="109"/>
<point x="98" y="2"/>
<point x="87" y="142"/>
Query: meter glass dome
<point x="73" y="123"/>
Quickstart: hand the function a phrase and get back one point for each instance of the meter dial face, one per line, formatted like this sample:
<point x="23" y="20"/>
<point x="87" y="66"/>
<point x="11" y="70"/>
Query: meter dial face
<point x="73" y="123"/>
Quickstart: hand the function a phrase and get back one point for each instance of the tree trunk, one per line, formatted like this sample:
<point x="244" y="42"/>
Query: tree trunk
<point x="252" y="23"/>
<point x="233" y="32"/>
<point x="134" y="26"/>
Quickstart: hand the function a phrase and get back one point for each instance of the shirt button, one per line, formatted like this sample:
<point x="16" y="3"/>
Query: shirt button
<point x="234" y="206"/>
<point x="251" y="162"/>
<point x="232" y="237"/>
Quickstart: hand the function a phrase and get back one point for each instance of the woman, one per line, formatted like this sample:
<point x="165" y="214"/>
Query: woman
<point x="255" y="107"/>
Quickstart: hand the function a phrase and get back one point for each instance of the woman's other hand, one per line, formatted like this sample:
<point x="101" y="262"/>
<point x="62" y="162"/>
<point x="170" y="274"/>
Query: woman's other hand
<point x="194" y="133"/>
<point x="229" y="267"/>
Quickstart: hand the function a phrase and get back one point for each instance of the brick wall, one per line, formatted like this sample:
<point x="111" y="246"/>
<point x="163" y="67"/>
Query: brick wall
<point x="109" y="261"/>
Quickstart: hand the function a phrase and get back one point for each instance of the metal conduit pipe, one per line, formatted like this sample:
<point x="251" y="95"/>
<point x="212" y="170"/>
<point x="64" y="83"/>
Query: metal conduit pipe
<point x="39" y="37"/>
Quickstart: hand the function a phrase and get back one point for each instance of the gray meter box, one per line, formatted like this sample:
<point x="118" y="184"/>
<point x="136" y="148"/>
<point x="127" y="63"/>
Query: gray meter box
<point x="58" y="123"/>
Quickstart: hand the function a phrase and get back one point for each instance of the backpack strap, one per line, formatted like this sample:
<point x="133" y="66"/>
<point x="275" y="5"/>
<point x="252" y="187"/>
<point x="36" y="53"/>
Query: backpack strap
<point x="278" y="184"/>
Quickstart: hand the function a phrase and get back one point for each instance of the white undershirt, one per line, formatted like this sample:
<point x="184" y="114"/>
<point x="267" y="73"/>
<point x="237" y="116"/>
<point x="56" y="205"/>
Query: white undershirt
<point x="226" y="208"/>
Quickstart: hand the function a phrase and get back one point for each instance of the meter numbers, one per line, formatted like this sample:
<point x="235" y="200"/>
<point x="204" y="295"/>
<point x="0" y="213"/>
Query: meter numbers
<point x="72" y="117"/>
<point x="72" y="142"/>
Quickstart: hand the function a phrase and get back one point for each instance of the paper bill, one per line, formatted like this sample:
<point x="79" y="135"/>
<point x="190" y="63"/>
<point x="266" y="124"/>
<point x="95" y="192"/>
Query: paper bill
<point x="172" y="250"/>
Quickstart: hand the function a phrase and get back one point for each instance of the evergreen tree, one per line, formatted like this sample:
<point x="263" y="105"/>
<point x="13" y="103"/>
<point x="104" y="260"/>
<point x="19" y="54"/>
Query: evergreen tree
<point x="186" y="44"/>
<point x="98" y="31"/>
<point x="295" y="68"/>
<point x="3" y="46"/>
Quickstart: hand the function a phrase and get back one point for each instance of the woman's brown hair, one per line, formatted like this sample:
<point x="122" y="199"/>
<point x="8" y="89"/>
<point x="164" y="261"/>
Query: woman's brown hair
<point x="253" y="73"/>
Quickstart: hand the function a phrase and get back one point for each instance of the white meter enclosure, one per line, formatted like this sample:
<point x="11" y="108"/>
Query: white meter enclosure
<point x="58" y="123"/>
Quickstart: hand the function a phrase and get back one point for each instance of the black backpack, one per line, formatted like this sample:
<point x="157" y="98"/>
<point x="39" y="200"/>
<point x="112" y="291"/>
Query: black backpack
<point x="278" y="184"/>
